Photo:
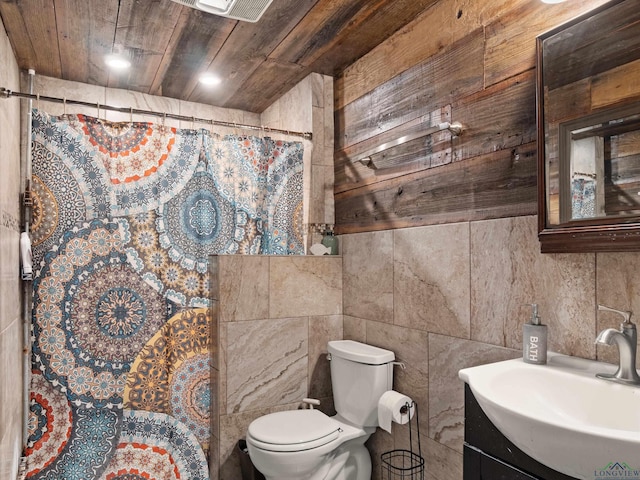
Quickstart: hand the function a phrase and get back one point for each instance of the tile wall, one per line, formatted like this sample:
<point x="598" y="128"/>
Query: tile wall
<point x="308" y="107"/>
<point x="10" y="284"/>
<point x="451" y="296"/>
<point x="276" y="315"/>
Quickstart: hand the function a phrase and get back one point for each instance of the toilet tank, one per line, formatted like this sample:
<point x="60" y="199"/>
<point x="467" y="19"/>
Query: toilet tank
<point x="360" y="374"/>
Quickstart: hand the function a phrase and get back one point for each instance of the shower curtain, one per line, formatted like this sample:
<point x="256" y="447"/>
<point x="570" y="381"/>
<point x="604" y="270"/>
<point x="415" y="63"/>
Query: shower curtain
<point x="124" y="218"/>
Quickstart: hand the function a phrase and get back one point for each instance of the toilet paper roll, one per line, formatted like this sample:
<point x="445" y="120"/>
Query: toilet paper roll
<point x="392" y="408"/>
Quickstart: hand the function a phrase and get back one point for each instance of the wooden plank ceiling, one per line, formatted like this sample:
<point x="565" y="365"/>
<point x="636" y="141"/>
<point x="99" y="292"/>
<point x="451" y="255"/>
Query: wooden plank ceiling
<point x="170" y="45"/>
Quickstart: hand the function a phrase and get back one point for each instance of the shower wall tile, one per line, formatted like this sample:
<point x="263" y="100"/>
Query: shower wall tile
<point x="10" y="284"/>
<point x="618" y="277"/>
<point x="10" y="398"/>
<point x="322" y="329"/>
<point x="214" y="459"/>
<point x="447" y="355"/>
<point x="319" y="133"/>
<point x="508" y="272"/>
<point x="329" y="136"/>
<point x="321" y="207"/>
<point x="267" y="363"/>
<point x="305" y="285"/>
<point x="368" y="275"/>
<point x="308" y="107"/>
<point x="431" y="279"/>
<point x="222" y="360"/>
<point x="215" y="404"/>
<point x="200" y="110"/>
<point x="244" y="295"/>
<point x="142" y="101"/>
<point x="54" y="87"/>
<point x="214" y="277"/>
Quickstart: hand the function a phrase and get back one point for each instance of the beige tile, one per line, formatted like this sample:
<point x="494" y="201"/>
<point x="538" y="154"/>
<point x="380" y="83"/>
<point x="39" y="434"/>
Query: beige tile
<point x="355" y="329"/>
<point x="214" y="459"/>
<point x="431" y="279"/>
<point x="447" y="355"/>
<point x="215" y="404"/>
<point x="321" y="206"/>
<point x="10" y="399"/>
<point x="222" y="371"/>
<point x="329" y="136"/>
<point x="618" y="276"/>
<point x="317" y="85"/>
<point x="443" y="463"/>
<point x="368" y="275"/>
<point x="271" y="116"/>
<point x="304" y="286"/>
<point x="321" y="331"/>
<point x="267" y="363"/>
<point x="329" y="202"/>
<point x="11" y="357"/>
<point x="214" y="277"/>
<point x="244" y="287"/>
<point x="215" y="333"/>
<point x="9" y="74"/>
<point x="130" y="99"/>
<point x="508" y="271"/>
<point x="197" y="110"/>
<point x="232" y="429"/>
<point x="411" y="347"/>
<point x="54" y="87"/>
<point x="379" y="443"/>
<point x="318" y="157"/>
<point x="10" y="284"/>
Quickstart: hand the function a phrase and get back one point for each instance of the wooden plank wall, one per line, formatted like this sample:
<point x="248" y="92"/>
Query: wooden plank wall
<point x="471" y="62"/>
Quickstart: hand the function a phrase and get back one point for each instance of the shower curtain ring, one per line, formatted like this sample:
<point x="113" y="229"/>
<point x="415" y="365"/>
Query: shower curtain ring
<point x="131" y="115"/>
<point x="64" y="106"/>
<point x="38" y="101"/>
<point x="98" y="109"/>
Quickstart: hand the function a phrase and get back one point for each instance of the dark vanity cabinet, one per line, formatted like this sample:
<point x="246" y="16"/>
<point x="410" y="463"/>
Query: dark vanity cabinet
<point x="488" y="455"/>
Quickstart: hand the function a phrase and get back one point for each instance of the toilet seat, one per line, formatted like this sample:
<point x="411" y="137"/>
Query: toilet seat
<point x="293" y="431"/>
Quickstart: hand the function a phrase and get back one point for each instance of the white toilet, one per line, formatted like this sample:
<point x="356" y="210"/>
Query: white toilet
<point x="309" y="445"/>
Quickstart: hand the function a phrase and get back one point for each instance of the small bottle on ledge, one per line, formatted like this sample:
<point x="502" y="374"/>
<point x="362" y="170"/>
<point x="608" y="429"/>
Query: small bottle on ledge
<point x="329" y="240"/>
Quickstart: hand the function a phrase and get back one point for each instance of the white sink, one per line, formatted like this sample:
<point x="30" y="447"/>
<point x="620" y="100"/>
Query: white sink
<point x="562" y="415"/>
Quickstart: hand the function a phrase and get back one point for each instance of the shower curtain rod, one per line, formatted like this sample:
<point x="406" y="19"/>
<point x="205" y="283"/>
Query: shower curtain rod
<point x="6" y="93"/>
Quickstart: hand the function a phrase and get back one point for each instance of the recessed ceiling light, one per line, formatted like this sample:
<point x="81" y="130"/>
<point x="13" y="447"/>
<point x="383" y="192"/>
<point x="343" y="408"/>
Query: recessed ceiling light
<point x="552" y="1"/>
<point x="209" y="79"/>
<point x="117" y="62"/>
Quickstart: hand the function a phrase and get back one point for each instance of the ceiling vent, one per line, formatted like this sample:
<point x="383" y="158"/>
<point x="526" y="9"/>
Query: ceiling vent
<point x="246" y="10"/>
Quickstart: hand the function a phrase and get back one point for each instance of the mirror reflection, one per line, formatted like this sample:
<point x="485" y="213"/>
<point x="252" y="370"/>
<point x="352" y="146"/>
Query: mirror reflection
<point x="602" y="173"/>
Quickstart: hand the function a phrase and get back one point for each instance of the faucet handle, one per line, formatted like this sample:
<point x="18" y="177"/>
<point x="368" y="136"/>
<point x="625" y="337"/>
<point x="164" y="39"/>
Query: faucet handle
<point x="626" y="315"/>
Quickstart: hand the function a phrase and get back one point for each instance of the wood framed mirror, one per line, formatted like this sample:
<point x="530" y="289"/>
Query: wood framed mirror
<point x="588" y="95"/>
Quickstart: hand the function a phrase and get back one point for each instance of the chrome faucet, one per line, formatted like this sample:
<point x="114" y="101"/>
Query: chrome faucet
<point x="627" y="341"/>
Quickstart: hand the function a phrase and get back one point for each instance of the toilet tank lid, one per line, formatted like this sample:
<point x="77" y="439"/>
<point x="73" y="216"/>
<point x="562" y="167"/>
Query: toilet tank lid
<point x="360" y="352"/>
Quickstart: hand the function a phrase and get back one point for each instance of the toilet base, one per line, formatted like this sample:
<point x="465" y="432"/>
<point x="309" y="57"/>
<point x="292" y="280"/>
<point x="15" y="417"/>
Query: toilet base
<point x="355" y="466"/>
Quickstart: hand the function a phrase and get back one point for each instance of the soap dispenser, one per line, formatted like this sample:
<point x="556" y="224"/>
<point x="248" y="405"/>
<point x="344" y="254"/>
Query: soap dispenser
<point x="534" y="339"/>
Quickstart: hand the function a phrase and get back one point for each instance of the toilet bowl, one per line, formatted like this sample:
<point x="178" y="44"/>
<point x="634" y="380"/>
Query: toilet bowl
<point x="309" y="445"/>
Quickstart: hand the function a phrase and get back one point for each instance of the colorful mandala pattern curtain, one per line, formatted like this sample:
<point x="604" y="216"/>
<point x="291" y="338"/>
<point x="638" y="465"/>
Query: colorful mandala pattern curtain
<point x="125" y="216"/>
